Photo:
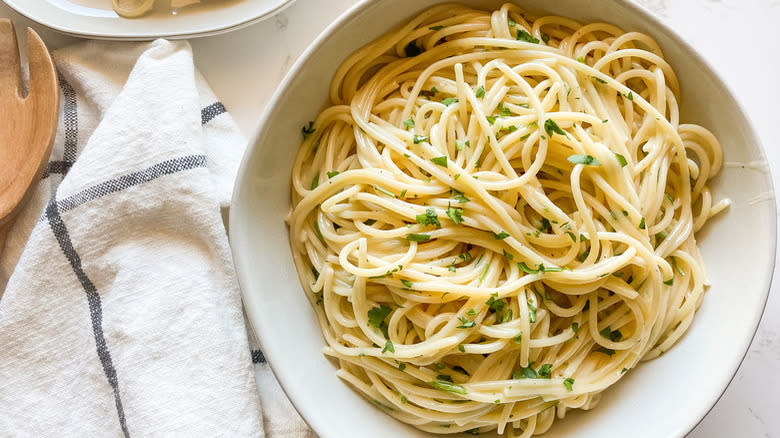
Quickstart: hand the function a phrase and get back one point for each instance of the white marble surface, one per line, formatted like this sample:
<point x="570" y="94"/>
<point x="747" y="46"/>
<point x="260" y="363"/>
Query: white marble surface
<point x="245" y="67"/>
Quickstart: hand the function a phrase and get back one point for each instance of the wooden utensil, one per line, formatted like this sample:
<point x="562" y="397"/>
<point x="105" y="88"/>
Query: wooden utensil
<point x="27" y="123"/>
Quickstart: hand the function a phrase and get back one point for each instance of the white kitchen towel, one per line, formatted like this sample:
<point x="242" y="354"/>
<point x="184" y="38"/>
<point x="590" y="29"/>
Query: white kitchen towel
<point x="121" y="314"/>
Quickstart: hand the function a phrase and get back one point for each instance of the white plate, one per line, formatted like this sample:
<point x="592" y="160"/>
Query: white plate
<point x="664" y="398"/>
<point x="96" y="19"/>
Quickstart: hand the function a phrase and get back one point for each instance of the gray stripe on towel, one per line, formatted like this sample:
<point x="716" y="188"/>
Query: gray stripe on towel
<point x="93" y="299"/>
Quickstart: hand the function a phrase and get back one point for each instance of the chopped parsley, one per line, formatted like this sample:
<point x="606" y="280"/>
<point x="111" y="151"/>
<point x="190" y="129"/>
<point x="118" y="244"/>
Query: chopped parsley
<point x="412" y="50"/>
<point x="621" y="159"/>
<point x="518" y="338"/>
<point x="508" y="255"/>
<point x="414" y="237"/>
<point x="369" y="222"/>
<point x="545" y="38"/>
<point x="389" y="347"/>
<point x="480" y="92"/>
<point x="459" y="196"/>
<point x="551" y="127"/>
<point x="332" y="173"/>
<point x="568" y="383"/>
<point x="315" y="181"/>
<point x="385" y="191"/>
<point x="545" y="370"/>
<point x="642" y="224"/>
<point x="587" y="160"/>
<point x="523" y="267"/>
<point x="522" y="35"/>
<point x="525" y="372"/>
<point x="308" y="130"/>
<point x="377" y="315"/>
<point x="491" y="119"/>
<point x="501" y="236"/>
<point x="409" y="123"/>
<point x="465" y="323"/>
<point x="408" y="284"/>
<point x="630" y="96"/>
<point x="435" y="28"/>
<point x="456" y="214"/>
<point x="440" y="161"/>
<point x="531" y="312"/>
<point x="417" y="139"/>
<point x="447" y="386"/>
<point x="449" y="101"/>
<point x="429" y="218"/>
<point x="401" y="366"/>
<point x="599" y="80"/>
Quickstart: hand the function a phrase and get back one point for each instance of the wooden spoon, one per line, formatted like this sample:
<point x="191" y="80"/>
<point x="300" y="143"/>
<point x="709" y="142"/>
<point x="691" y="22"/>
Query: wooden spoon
<point x="27" y="123"/>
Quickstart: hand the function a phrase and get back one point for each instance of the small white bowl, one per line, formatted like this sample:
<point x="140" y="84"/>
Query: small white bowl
<point x="666" y="397"/>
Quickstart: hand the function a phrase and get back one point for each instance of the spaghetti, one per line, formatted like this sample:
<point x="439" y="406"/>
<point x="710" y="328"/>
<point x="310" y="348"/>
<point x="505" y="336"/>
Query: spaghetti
<point x="494" y="217"/>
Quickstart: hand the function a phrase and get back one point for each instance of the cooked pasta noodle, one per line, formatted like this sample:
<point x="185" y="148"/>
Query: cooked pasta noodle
<point x="494" y="216"/>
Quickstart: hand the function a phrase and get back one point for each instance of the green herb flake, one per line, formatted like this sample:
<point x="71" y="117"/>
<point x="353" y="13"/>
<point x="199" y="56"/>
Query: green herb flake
<point x="518" y="338"/>
<point x="511" y="23"/>
<point x="531" y="312"/>
<point x="587" y="160"/>
<point x="551" y="127"/>
<point x="508" y="255"/>
<point x="447" y="386"/>
<point x="332" y="173"/>
<point x="523" y="267"/>
<point x="642" y="224"/>
<point x="621" y="159"/>
<point x="417" y="139"/>
<point x="449" y="101"/>
<point x="525" y="373"/>
<point x="466" y="323"/>
<point x="408" y="284"/>
<point x="676" y="266"/>
<point x="491" y="119"/>
<point x="315" y="181"/>
<point x="436" y="28"/>
<point x="522" y="35"/>
<point x="377" y="315"/>
<point x="501" y="236"/>
<point x="545" y="38"/>
<point x="440" y="161"/>
<point x="308" y="130"/>
<point x="369" y="222"/>
<point x="575" y="327"/>
<point x="669" y="282"/>
<point x="388" y="347"/>
<point x="480" y="93"/>
<point x="545" y="371"/>
<point x="414" y="237"/>
<point x="599" y="80"/>
<point x="401" y="366"/>
<point x="630" y="96"/>
<point x="581" y="59"/>
<point x="461" y="348"/>
<point x="460" y="197"/>
<point x="573" y="237"/>
<point x="385" y="191"/>
<point x="409" y="123"/>
<point x="429" y="218"/>
<point x="412" y="50"/>
<point x="568" y="383"/>
<point x="456" y="214"/>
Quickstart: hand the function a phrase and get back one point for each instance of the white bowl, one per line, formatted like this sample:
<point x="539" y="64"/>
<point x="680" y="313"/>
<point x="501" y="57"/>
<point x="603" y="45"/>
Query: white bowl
<point x="666" y="397"/>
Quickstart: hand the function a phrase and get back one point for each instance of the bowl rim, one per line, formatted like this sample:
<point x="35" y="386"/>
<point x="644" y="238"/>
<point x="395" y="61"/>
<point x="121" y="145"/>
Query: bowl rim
<point x="654" y="21"/>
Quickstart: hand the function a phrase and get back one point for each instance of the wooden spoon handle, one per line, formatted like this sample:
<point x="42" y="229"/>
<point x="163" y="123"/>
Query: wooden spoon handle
<point x="3" y="232"/>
